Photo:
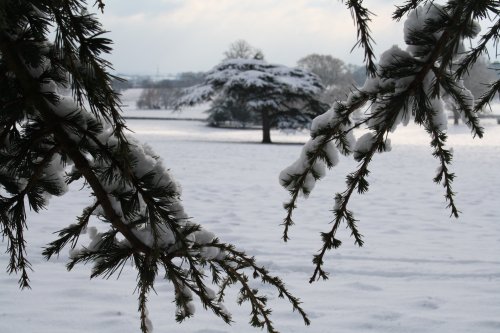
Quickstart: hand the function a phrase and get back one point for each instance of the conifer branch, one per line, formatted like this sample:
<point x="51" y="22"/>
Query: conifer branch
<point x="79" y="42"/>
<point x="298" y="187"/>
<point x="263" y="274"/>
<point x="259" y="314"/>
<point x="407" y="7"/>
<point x="31" y="91"/>
<point x="406" y="82"/>
<point x="33" y="181"/>
<point x="464" y="103"/>
<point x="487" y="97"/>
<point x="152" y="200"/>
<point x="356" y="180"/>
<point x="445" y="157"/>
<point x="146" y="277"/>
<point x="492" y="36"/>
<point x="100" y="5"/>
<point x="110" y="171"/>
<point x="327" y="134"/>
<point x="70" y="234"/>
<point x="13" y="209"/>
<point x="361" y="16"/>
<point x="183" y="282"/>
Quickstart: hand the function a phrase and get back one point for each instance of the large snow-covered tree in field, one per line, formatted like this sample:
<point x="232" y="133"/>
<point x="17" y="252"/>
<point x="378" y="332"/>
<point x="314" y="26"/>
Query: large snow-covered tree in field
<point x="280" y="96"/>
<point x="407" y="85"/>
<point x="233" y="112"/>
<point x="134" y="213"/>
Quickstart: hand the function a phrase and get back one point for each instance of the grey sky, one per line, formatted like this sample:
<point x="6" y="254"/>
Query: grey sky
<point x="171" y="36"/>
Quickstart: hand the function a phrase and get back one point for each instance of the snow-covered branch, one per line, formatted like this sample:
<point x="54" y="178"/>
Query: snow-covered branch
<point x="409" y="84"/>
<point x="135" y="213"/>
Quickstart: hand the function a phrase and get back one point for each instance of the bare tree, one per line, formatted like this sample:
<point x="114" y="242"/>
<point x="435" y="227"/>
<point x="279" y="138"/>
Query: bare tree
<point x="334" y="74"/>
<point x="242" y="49"/>
<point x="477" y="79"/>
<point x="329" y="69"/>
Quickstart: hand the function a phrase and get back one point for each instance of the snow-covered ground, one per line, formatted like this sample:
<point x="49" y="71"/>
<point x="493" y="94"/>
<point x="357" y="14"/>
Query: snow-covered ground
<point x="419" y="271"/>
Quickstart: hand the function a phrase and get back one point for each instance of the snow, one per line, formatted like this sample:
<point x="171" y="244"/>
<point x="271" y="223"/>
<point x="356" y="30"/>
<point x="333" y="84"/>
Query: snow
<point x="322" y="121"/>
<point x="418" y="20"/>
<point x="419" y="271"/>
<point x="439" y="118"/>
<point x="303" y="163"/>
<point x="363" y="145"/>
<point x="332" y="153"/>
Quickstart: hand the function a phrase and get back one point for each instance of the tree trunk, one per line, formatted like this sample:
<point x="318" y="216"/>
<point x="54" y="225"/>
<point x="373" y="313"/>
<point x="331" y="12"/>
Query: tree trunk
<point x="456" y="116"/>
<point x="266" y="127"/>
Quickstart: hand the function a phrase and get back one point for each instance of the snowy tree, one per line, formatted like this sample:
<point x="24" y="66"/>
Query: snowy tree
<point x="282" y="97"/>
<point x="230" y="113"/>
<point x="407" y="85"/>
<point x="49" y="141"/>
<point x="233" y="112"/>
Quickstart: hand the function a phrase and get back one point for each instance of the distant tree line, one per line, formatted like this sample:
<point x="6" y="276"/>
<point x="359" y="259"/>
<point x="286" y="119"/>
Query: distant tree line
<point x="338" y="79"/>
<point x="163" y="94"/>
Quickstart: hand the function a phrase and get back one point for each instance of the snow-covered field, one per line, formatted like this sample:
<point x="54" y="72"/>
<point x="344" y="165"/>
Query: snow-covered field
<point x="419" y="271"/>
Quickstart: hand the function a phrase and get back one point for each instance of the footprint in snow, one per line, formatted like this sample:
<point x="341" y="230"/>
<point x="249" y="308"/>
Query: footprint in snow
<point x="387" y="316"/>
<point x="428" y="303"/>
<point x="364" y="286"/>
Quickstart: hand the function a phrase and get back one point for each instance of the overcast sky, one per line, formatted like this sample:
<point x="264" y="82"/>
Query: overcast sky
<point x="172" y="36"/>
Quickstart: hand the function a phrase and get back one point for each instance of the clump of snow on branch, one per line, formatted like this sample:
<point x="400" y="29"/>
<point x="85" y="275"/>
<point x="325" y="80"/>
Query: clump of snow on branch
<point x="313" y="171"/>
